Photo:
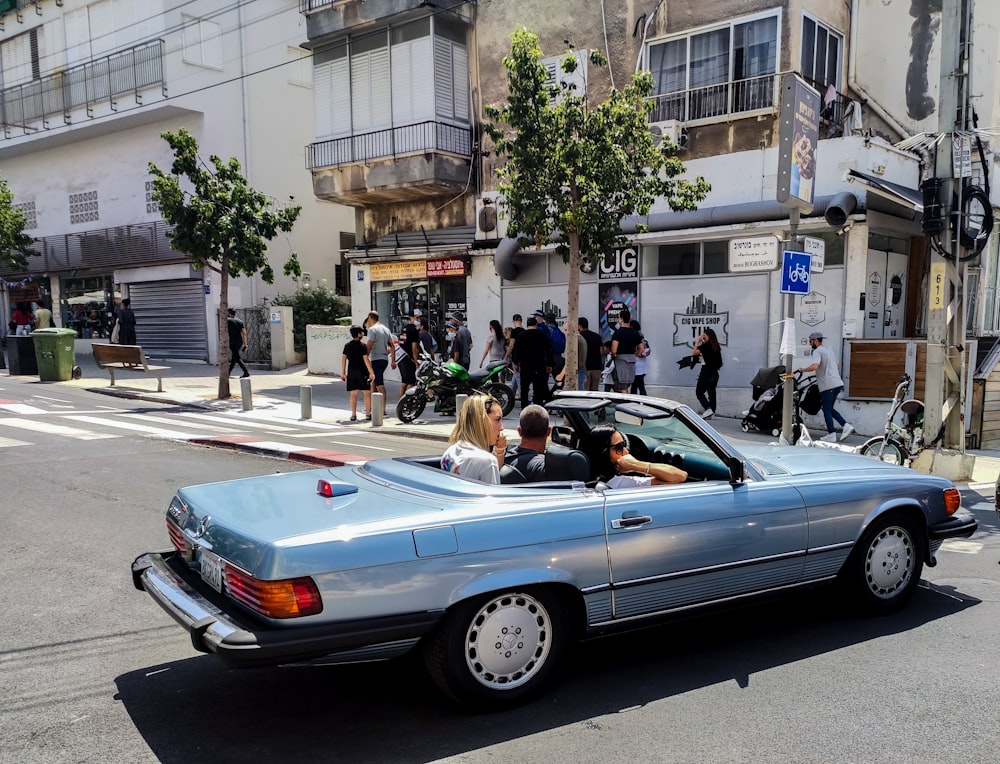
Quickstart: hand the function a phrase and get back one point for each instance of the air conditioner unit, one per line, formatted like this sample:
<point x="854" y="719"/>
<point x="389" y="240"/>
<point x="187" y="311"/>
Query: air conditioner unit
<point x="667" y="129"/>
<point x="491" y="217"/>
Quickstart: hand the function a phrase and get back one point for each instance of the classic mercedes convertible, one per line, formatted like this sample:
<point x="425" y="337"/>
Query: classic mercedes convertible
<point x="490" y="582"/>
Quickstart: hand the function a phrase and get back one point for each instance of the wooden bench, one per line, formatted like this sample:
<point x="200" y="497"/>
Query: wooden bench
<point x="113" y="358"/>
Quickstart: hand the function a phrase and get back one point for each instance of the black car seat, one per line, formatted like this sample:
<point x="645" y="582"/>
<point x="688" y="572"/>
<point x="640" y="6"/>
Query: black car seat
<point x="563" y="463"/>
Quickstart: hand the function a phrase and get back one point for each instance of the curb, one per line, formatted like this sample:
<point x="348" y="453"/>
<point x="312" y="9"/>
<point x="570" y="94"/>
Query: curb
<point x="288" y="452"/>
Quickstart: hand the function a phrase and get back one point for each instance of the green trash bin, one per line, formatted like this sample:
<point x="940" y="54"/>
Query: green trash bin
<point x="55" y="352"/>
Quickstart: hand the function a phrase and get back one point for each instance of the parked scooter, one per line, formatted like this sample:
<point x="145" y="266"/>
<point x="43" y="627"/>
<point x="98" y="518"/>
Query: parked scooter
<point x="442" y="382"/>
<point x="900" y="442"/>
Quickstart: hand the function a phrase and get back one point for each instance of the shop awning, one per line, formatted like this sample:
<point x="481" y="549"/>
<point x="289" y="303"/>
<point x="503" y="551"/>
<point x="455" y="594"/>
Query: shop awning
<point x="910" y="198"/>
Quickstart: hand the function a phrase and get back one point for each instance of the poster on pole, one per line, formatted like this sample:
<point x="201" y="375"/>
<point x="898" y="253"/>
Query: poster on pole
<point x="798" y="136"/>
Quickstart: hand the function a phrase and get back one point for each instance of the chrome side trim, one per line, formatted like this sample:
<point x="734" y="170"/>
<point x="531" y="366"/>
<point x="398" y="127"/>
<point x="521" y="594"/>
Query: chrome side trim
<point x="709" y="569"/>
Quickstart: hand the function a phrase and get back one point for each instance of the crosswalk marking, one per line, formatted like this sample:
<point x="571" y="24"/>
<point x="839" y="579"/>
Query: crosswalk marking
<point x="10" y="442"/>
<point x="51" y="428"/>
<point x="21" y="408"/>
<point x="229" y="421"/>
<point x="157" y="432"/>
<point x="196" y="425"/>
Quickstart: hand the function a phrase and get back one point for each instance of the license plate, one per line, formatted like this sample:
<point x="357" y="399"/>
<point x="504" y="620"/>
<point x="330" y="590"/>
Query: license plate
<point x="211" y="569"/>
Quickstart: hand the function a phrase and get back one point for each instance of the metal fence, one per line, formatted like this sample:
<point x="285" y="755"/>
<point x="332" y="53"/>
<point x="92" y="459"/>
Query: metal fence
<point x="256" y="321"/>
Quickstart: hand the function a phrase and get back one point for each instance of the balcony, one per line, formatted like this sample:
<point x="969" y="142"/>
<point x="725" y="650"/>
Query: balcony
<point x="102" y="80"/>
<point x="396" y="164"/>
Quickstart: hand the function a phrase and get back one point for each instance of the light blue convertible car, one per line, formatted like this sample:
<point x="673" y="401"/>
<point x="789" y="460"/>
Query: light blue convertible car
<point x="491" y="582"/>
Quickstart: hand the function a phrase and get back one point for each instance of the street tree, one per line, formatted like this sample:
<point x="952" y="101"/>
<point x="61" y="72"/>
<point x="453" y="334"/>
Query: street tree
<point x="15" y="244"/>
<point x="574" y="168"/>
<point x="221" y="222"/>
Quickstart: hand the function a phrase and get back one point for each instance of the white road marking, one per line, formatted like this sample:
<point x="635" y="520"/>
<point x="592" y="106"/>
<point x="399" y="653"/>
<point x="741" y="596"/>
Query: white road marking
<point x="50" y="428"/>
<point x="9" y="442"/>
<point x="228" y="421"/>
<point x="982" y="486"/>
<point x="154" y="431"/>
<point x="21" y="408"/>
<point x="167" y="420"/>
<point x="962" y="547"/>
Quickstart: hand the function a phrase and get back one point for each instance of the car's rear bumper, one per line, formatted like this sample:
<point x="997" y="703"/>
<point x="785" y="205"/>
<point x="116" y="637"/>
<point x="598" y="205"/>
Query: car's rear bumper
<point x="240" y="642"/>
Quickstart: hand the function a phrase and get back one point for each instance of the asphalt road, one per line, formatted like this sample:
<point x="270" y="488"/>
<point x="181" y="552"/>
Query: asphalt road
<point x="92" y="671"/>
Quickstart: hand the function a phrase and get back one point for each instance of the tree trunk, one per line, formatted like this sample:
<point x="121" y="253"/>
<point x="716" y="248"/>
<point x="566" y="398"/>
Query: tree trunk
<point x="224" y="330"/>
<point x="572" y="312"/>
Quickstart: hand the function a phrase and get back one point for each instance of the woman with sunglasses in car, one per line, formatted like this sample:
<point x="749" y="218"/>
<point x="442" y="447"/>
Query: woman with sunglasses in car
<point x="477" y="441"/>
<point x="614" y="465"/>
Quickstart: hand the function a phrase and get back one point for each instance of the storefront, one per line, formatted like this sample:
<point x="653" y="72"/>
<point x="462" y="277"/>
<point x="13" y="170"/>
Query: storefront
<point x="88" y="304"/>
<point x="437" y="287"/>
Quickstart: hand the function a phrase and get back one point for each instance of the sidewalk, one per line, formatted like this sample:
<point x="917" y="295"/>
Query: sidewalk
<point x="278" y="394"/>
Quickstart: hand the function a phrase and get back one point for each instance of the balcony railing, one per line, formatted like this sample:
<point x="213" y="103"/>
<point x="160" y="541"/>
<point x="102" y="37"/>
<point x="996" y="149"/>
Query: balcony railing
<point x="103" y="248"/>
<point x="717" y="101"/>
<point x="314" y="5"/>
<point x="101" y="80"/>
<point x="391" y="142"/>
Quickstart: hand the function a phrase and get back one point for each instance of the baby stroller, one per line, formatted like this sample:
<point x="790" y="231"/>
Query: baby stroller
<point x="768" y="388"/>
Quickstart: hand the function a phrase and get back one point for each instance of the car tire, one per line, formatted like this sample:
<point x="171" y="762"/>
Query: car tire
<point x="892" y="453"/>
<point x="503" y="395"/>
<point x="410" y="407"/>
<point x="884" y="569"/>
<point x="498" y="650"/>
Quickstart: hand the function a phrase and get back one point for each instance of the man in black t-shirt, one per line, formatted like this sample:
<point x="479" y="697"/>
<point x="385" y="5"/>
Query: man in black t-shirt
<point x="237" y="342"/>
<point x="595" y="361"/>
<point x="408" y="353"/>
<point x="533" y="360"/>
<point x="528" y="457"/>
<point x="624" y="343"/>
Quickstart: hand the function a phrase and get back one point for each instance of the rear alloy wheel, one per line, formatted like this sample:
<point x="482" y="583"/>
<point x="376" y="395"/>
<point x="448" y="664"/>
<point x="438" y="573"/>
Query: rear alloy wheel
<point x="503" y="395"/>
<point x="498" y="650"/>
<point x="410" y="407"/>
<point x="885" y="566"/>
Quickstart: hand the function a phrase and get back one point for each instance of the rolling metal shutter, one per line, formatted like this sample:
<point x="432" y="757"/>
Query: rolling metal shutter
<point x="170" y="319"/>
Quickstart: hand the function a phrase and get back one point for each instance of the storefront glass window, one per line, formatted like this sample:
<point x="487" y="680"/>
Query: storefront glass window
<point x="88" y="304"/>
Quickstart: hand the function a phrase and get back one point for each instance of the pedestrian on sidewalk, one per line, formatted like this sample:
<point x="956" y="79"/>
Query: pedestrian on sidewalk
<point x="381" y="352"/>
<point x="126" y="327"/>
<point x="830" y="385"/>
<point x="641" y="365"/>
<point x="357" y="372"/>
<point x="595" y="358"/>
<point x="496" y="344"/>
<point x="708" y="348"/>
<point x="43" y="316"/>
<point x="624" y="343"/>
<point x="237" y="341"/>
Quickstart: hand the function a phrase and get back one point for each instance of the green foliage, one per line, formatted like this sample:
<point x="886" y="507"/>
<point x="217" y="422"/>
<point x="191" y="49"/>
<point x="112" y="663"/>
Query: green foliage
<point x="574" y="169"/>
<point x="15" y="244"/>
<point x="312" y="306"/>
<point x="224" y="224"/>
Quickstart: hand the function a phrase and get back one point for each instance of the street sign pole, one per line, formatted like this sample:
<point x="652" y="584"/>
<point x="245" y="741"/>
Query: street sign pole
<point x="787" y="410"/>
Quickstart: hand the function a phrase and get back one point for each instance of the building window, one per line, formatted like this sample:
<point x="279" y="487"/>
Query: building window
<point x="821" y="54"/>
<point x="692" y="258"/>
<point x="714" y="72"/>
<point x="151" y="205"/>
<point x="299" y="67"/>
<point x="202" y="42"/>
<point x="405" y="75"/>
<point x="83" y="207"/>
<point x="20" y="57"/>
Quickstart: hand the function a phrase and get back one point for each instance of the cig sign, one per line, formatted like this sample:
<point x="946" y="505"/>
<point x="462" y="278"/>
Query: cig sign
<point x="622" y="263"/>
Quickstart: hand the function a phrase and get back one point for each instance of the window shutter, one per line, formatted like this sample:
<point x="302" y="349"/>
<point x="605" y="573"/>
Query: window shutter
<point x="323" y="101"/>
<point x="460" y="66"/>
<point x="403" y="81"/>
<point x="444" y="85"/>
<point x="15" y="55"/>
<point x="340" y="97"/>
<point x="77" y="28"/>
<point x="381" y="92"/>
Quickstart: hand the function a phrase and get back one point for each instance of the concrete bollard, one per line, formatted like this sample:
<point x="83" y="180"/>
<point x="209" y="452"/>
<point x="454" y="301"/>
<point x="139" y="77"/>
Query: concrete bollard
<point x="246" y="393"/>
<point x="306" y="401"/>
<point x="378" y="407"/>
<point x="459" y="402"/>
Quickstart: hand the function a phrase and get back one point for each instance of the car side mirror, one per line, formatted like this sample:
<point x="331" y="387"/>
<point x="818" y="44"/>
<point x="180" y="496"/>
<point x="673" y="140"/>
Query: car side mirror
<point x="737" y="471"/>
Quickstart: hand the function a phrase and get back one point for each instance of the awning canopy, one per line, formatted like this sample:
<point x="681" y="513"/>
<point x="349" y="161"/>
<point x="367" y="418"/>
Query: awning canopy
<point x="909" y="198"/>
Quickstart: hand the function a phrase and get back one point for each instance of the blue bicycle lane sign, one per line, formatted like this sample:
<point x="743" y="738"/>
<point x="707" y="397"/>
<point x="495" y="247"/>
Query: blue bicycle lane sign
<point x="795" y="271"/>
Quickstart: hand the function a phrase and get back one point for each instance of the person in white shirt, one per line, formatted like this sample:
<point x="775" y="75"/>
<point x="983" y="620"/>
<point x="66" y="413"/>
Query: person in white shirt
<point x="830" y="386"/>
<point x="478" y="443"/>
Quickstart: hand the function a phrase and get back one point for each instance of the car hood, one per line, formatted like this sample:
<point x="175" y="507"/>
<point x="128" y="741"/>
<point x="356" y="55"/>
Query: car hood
<point x="798" y="460"/>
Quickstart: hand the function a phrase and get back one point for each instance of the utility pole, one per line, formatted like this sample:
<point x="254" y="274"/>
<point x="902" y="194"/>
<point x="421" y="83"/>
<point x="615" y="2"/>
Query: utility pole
<point x="946" y="366"/>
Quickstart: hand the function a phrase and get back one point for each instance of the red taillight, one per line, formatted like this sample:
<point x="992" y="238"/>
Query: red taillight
<point x="180" y="541"/>
<point x="323" y="488"/>
<point x="290" y="598"/>
<point x="952" y="500"/>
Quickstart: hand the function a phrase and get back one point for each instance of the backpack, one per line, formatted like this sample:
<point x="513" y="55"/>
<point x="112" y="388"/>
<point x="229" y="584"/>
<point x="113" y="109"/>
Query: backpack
<point x="558" y="340"/>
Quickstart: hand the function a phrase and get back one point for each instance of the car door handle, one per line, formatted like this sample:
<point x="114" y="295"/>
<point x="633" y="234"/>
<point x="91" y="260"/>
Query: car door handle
<point x="631" y="519"/>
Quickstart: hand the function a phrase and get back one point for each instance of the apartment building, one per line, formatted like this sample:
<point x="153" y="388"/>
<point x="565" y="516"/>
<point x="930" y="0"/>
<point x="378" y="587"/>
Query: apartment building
<point x="398" y="135"/>
<point x="87" y="90"/>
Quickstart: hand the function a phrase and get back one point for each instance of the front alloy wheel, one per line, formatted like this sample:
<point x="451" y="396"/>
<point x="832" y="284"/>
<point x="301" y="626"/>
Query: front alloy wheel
<point x="410" y="407"/>
<point x="498" y="650"/>
<point x="886" y="564"/>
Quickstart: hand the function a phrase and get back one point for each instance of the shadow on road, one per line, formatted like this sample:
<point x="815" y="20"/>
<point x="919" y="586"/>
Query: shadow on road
<point x="197" y="710"/>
